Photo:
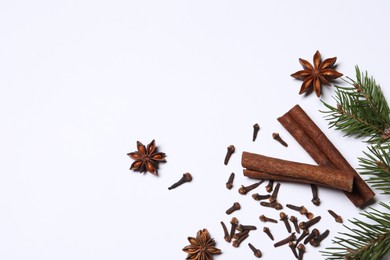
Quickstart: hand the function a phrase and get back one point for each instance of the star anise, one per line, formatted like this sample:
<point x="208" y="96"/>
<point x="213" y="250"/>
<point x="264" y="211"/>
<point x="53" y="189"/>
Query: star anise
<point x="146" y="158"/>
<point x="202" y="247"/>
<point x="313" y="76"/>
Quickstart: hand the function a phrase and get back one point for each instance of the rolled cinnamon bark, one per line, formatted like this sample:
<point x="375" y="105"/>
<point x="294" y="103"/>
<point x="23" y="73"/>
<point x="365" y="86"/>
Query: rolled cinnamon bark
<point x="322" y="150"/>
<point x="333" y="178"/>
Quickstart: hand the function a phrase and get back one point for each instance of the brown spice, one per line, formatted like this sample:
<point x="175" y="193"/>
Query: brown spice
<point x="256" y="129"/>
<point x="323" y="152"/>
<point x="336" y="179"/>
<point x="202" y="246"/>
<point x="230" y="150"/>
<point x="229" y="183"/>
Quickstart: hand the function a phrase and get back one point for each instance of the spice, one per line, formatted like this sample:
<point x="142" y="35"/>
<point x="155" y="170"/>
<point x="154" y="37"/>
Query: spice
<point x="301" y="251"/>
<point x="314" y="76"/>
<point x="323" y="152"/>
<point x="226" y="233"/>
<point x="236" y="243"/>
<point x="234" y="223"/>
<point x="187" y="177"/>
<point x="284" y="218"/>
<point x="269" y="187"/>
<point x="314" y="189"/>
<point x="241" y="233"/>
<point x="255" y="251"/>
<point x="229" y="183"/>
<point x="286" y="240"/>
<point x="244" y="190"/>
<point x="256" y="129"/>
<point x="275" y="193"/>
<point x="268" y="232"/>
<point x="257" y="196"/>
<point x="305" y="233"/>
<point x="336" y="179"/>
<point x="266" y="219"/>
<point x="316" y="241"/>
<point x="301" y="209"/>
<point x="315" y="232"/>
<point x="236" y="206"/>
<point x="277" y="137"/>
<point x="309" y="223"/>
<point x="230" y="150"/>
<point x="246" y="227"/>
<point x="276" y="205"/>
<point x="294" y="220"/>
<point x="292" y="245"/>
<point x="146" y="158"/>
<point x="202" y="246"/>
<point x="336" y="217"/>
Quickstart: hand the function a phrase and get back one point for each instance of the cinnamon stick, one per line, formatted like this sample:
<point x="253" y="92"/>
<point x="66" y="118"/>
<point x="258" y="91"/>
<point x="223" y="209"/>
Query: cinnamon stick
<point x="322" y="150"/>
<point x="336" y="179"/>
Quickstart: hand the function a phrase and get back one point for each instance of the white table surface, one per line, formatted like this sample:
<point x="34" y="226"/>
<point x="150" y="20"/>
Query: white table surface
<point x="82" y="81"/>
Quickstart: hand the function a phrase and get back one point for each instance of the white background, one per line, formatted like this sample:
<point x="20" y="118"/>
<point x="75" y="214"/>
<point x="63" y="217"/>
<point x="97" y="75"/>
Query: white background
<point x="82" y="81"/>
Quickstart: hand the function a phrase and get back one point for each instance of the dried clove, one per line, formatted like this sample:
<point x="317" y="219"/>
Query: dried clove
<point x="226" y="233"/>
<point x="305" y="233"/>
<point x="301" y="251"/>
<point x="314" y="189"/>
<point x="230" y="150"/>
<point x="257" y="196"/>
<point x="243" y="190"/>
<point x="236" y="243"/>
<point x="187" y="177"/>
<point x="277" y="137"/>
<point x="315" y="241"/>
<point x="315" y="232"/>
<point x="266" y="219"/>
<point x="302" y="210"/>
<point x="337" y="218"/>
<point x="256" y="129"/>
<point x="240" y="234"/>
<point x="246" y="227"/>
<point x="269" y="187"/>
<point x="292" y="245"/>
<point x="276" y="205"/>
<point x="236" y="206"/>
<point x="234" y="223"/>
<point x="309" y="223"/>
<point x="229" y="183"/>
<point x="309" y="215"/>
<point x="294" y="220"/>
<point x="255" y="251"/>
<point x="284" y="218"/>
<point x="286" y="240"/>
<point x="275" y="193"/>
<point x="268" y="232"/>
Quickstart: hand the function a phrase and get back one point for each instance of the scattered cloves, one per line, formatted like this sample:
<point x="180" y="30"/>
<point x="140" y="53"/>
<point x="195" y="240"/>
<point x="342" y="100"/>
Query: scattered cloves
<point x="314" y="189"/>
<point x="284" y="218"/>
<point x="276" y="205"/>
<point x="337" y="218"/>
<point x="236" y="206"/>
<point x="269" y="187"/>
<point x="266" y="219"/>
<point x="230" y="150"/>
<point x="292" y="245"/>
<point x="301" y="251"/>
<point x="257" y="196"/>
<point x="256" y="129"/>
<point x="315" y="241"/>
<point x="240" y="234"/>
<point x="243" y="190"/>
<point x="268" y="232"/>
<point x="277" y="137"/>
<point x="286" y="240"/>
<point x="274" y="194"/>
<point x="187" y="177"/>
<point x="301" y="209"/>
<point x="236" y="243"/>
<point x="255" y="251"/>
<point x="226" y="233"/>
<point x="229" y="183"/>
<point x="294" y="220"/>
<point x="309" y="223"/>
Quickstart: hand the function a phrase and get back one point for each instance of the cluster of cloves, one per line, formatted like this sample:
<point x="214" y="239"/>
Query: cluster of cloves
<point x="238" y="233"/>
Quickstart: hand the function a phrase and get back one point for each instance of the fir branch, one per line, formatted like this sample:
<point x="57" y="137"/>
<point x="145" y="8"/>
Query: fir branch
<point x="376" y="165"/>
<point x="361" y="110"/>
<point x="370" y="239"/>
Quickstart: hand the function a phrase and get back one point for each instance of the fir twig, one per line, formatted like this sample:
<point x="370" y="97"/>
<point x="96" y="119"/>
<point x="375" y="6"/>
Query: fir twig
<point x="361" y="110"/>
<point x="370" y="239"/>
<point x="376" y="165"/>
